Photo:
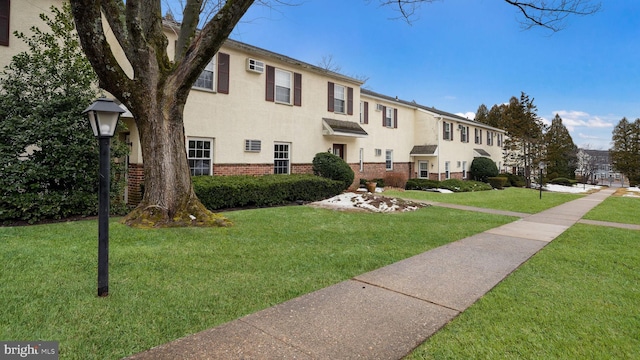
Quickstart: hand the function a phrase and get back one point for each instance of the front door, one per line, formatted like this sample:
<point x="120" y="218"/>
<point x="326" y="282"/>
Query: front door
<point x="339" y="150"/>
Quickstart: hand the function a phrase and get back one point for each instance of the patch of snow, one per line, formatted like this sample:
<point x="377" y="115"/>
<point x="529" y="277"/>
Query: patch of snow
<point x="367" y="201"/>
<point x="581" y="188"/>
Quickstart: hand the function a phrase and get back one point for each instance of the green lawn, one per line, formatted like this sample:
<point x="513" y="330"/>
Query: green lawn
<point x="510" y="199"/>
<point x="165" y="284"/>
<point x="576" y="299"/>
<point x="617" y="209"/>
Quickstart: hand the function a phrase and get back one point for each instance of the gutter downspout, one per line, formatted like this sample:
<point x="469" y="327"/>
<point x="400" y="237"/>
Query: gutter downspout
<point x="439" y="132"/>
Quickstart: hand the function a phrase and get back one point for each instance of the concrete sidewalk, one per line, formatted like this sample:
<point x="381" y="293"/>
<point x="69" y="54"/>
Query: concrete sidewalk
<point x="386" y="313"/>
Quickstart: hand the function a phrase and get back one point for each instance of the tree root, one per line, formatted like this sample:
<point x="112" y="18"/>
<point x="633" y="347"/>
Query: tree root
<point x="194" y="214"/>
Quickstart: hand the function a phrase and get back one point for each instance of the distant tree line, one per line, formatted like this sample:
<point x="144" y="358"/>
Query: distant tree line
<point x="529" y="141"/>
<point x="625" y="153"/>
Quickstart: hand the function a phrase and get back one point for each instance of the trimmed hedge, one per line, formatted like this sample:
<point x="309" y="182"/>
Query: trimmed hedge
<point x="454" y="185"/>
<point x="421" y="184"/>
<point x="563" y="181"/>
<point x="219" y="192"/>
<point x="513" y="180"/>
<point x="498" y="182"/>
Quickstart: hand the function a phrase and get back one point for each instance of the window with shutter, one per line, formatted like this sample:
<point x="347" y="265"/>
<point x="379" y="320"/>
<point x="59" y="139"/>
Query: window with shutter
<point x="395" y="118"/>
<point x="297" y="89"/>
<point x="223" y="73"/>
<point x="4" y="22"/>
<point x="283" y="86"/>
<point x="330" y="93"/>
<point x="206" y="78"/>
<point x="364" y="112"/>
<point x="270" y="83"/>
<point x="339" y="99"/>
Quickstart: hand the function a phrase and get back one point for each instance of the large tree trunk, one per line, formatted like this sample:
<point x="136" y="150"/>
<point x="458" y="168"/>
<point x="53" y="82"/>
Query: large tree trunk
<point x="157" y="93"/>
<point x="169" y="198"/>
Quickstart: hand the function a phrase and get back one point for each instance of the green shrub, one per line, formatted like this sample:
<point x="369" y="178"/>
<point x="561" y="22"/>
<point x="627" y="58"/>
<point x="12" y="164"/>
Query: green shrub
<point x="497" y="182"/>
<point x="421" y="184"/>
<point x="48" y="154"/>
<point x="457" y="185"/>
<point x="514" y="180"/>
<point x="395" y="179"/>
<point x="219" y="192"/>
<point x="562" y="181"/>
<point x="330" y="166"/>
<point x="483" y="168"/>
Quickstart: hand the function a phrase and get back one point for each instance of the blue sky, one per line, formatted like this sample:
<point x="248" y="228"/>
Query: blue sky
<point x="458" y="54"/>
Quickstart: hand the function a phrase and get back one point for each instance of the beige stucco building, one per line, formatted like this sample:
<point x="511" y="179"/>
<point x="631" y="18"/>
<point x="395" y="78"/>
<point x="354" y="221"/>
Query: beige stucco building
<point x="253" y="111"/>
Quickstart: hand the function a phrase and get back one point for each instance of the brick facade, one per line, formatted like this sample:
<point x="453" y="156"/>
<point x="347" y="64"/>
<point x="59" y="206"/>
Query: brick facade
<point x="135" y="180"/>
<point x="370" y="171"/>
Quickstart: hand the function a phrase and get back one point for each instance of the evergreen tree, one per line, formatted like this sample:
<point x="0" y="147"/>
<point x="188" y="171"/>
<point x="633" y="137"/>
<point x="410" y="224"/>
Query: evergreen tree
<point x="482" y="114"/>
<point x="561" y="152"/>
<point x="625" y="154"/>
<point x="48" y="154"/>
<point x="495" y="116"/>
<point x="524" y="143"/>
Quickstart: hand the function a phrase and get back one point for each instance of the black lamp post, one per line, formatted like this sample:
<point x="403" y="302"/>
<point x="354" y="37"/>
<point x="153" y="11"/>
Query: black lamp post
<point x="103" y="116"/>
<point x="541" y="166"/>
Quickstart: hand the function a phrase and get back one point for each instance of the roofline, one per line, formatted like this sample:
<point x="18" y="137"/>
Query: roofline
<point x="238" y="45"/>
<point x="433" y="111"/>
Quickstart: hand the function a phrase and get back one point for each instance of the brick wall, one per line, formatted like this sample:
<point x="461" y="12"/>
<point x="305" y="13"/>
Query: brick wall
<point x="371" y="171"/>
<point x="135" y="177"/>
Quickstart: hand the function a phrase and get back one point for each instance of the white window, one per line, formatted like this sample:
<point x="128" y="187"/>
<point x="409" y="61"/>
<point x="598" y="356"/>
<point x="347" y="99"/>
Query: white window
<point x="281" y="158"/>
<point x="464" y="169"/>
<point x="339" y="99"/>
<point x="423" y="169"/>
<point x="205" y="80"/>
<point x="283" y="86"/>
<point x="447" y="171"/>
<point x="446" y="131"/>
<point x="478" y="136"/>
<point x="199" y="156"/>
<point x="378" y="152"/>
<point x="389" y="159"/>
<point x="361" y="159"/>
<point x="490" y="138"/>
<point x="464" y="134"/>
<point x="499" y="139"/>
<point x="388" y="118"/>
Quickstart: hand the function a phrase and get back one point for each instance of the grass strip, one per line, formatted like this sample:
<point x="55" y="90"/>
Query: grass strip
<point x="617" y="209"/>
<point x="510" y="199"/>
<point x="576" y="299"/>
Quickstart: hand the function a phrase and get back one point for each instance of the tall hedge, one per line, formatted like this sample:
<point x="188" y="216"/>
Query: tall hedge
<point x="48" y="154"/>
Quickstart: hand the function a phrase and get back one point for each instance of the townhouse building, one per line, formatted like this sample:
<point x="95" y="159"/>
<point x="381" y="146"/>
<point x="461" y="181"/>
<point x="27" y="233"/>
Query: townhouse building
<point x="253" y="111"/>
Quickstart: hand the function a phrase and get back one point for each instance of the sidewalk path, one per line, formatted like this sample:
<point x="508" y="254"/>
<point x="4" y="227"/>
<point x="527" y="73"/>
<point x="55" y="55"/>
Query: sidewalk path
<point x="386" y="313"/>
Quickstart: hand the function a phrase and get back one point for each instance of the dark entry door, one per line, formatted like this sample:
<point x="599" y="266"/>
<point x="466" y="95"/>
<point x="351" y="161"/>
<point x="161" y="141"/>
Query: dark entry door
<point x="339" y="150"/>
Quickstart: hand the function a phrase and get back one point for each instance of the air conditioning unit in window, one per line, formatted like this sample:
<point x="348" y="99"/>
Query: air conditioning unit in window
<point x="254" y="65"/>
<point x="379" y="107"/>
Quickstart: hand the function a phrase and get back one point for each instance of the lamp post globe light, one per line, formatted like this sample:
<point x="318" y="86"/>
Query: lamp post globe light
<point x="103" y="116"/>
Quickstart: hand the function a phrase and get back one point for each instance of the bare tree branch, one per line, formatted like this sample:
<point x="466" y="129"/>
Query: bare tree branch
<point x="548" y="14"/>
<point x="552" y="14"/>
